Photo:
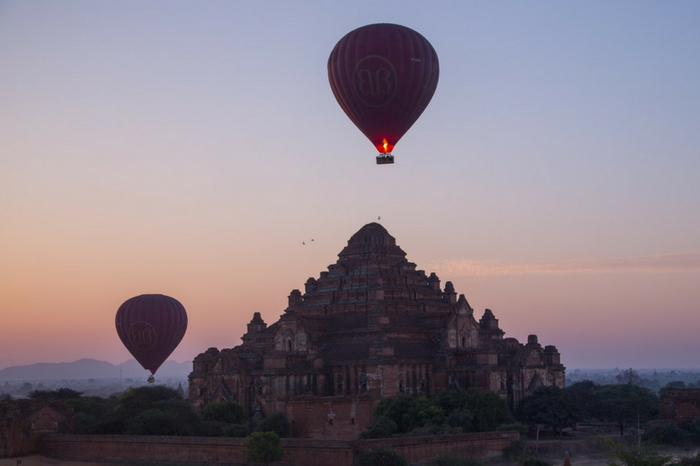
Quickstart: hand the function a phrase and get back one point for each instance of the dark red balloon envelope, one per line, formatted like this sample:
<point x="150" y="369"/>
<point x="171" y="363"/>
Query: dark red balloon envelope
<point x="151" y="326"/>
<point x="383" y="76"/>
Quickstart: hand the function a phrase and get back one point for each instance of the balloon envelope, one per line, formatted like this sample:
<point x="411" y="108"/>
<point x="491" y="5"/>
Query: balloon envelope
<point x="383" y="76"/>
<point x="151" y="326"/>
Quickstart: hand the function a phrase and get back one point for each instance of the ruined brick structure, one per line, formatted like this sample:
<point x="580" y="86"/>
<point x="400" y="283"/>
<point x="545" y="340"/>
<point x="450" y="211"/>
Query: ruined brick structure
<point x="679" y="404"/>
<point x="24" y="422"/>
<point x="370" y="327"/>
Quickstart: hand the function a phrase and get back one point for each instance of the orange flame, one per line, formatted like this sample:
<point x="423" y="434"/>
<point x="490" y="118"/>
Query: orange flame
<point x="385" y="147"/>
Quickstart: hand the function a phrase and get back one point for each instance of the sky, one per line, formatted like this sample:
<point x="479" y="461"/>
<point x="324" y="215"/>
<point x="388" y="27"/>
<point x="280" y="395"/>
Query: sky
<point x="191" y="148"/>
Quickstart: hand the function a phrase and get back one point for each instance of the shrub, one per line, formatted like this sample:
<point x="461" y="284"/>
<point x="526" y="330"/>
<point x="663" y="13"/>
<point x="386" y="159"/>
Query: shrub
<point x="669" y="434"/>
<point x="275" y="422"/>
<point x="151" y="422"/>
<point x="228" y="412"/>
<point x="263" y="447"/>
<point x="381" y="427"/>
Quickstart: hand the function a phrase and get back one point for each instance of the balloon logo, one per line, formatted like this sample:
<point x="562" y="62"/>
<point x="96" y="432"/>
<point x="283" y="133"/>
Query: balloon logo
<point x="151" y="326"/>
<point x="383" y="77"/>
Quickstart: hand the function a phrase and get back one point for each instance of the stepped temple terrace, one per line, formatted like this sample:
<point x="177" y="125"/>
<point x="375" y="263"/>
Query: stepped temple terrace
<point x="370" y="327"/>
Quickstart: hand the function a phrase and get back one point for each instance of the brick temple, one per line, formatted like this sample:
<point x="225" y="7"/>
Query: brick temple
<point x="370" y="327"/>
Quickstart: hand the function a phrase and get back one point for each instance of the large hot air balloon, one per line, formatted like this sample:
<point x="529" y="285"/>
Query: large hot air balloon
<point x="151" y="326"/>
<point x="383" y="76"/>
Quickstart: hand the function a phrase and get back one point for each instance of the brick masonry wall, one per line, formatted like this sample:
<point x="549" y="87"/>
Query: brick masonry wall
<point x="229" y="451"/>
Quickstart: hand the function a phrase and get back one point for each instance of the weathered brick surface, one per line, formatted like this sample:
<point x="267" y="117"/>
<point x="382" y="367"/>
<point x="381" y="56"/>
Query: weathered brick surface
<point x="229" y="451"/>
<point x="680" y="404"/>
<point x="23" y="422"/>
<point x="370" y="327"/>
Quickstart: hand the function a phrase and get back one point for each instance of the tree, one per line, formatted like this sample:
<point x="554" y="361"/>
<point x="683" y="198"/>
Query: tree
<point x="381" y="427"/>
<point x="467" y="411"/>
<point x="60" y="394"/>
<point x="489" y="409"/>
<point x="151" y="422"/>
<point x="91" y="412"/>
<point x="127" y="415"/>
<point x="629" y="376"/>
<point x="582" y="396"/>
<point x="394" y="409"/>
<point x="625" y="405"/>
<point x="228" y="412"/>
<point x="549" y="406"/>
<point x="263" y="447"/>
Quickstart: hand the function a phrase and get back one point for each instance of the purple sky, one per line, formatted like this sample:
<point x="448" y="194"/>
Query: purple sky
<point x="189" y="148"/>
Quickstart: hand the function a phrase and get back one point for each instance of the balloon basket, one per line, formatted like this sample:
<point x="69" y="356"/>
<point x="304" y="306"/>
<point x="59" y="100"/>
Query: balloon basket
<point x="383" y="159"/>
<point x="151" y="379"/>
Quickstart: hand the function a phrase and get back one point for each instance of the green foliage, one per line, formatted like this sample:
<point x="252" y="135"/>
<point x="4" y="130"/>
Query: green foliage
<point x="468" y="411"/>
<point x="137" y="400"/>
<point x="60" y="394"/>
<point x="275" y="422"/>
<point x="516" y="426"/>
<point x="151" y="422"/>
<point x="381" y="427"/>
<point x="462" y="419"/>
<point x="582" y="396"/>
<point x="452" y="459"/>
<point x="90" y="413"/>
<point x="228" y="412"/>
<point x="625" y="404"/>
<point x="212" y="428"/>
<point x="549" y="406"/>
<point x="489" y="409"/>
<point x="170" y="417"/>
<point x="263" y="447"/>
<point x="433" y="429"/>
<point x="154" y="410"/>
<point x="394" y="409"/>
<point x="381" y="457"/>
<point x="668" y="434"/>
<point x="624" y="455"/>
<point x="684" y="434"/>
<point x="236" y="430"/>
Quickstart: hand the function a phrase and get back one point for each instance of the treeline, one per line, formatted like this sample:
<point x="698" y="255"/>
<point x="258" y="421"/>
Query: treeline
<point x="654" y="380"/>
<point x="551" y="407"/>
<point x="446" y="413"/>
<point x="160" y="410"/>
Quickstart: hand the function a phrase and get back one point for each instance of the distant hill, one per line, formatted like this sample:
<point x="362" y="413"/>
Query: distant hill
<point x="90" y="369"/>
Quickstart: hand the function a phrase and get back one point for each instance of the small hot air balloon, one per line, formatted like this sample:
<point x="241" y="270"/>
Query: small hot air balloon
<point x="151" y="326"/>
<point x="383" y="76"/>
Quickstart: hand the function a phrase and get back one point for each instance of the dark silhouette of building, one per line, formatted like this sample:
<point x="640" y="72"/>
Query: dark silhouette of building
<point x="370" y="327"/>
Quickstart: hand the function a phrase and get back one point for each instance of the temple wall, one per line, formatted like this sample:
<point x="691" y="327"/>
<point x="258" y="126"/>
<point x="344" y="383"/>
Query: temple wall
<point x="229" y="451"/>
